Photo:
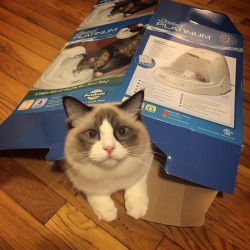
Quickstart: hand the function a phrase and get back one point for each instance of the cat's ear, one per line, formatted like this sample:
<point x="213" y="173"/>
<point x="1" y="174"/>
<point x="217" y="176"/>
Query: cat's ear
<point x="74" y="108"/>
<point x="133" y="105"/>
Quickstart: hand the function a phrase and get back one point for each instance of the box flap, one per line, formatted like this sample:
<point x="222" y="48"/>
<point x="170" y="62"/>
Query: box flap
<point x="200" y="149"/>
<point x="196" y="157"/>
<point x="188" y="116"/>
<point x="182" y="13"/>
<point x="174" y="201"/>
<point x="38" y="130"/>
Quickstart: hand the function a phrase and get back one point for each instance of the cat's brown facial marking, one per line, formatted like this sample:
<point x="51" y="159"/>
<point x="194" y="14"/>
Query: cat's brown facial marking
<point x="118" y="125"/>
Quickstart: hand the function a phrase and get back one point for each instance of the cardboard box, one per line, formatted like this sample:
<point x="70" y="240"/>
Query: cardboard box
<point x="174" y="201"/>
<point x="201" y="147"/>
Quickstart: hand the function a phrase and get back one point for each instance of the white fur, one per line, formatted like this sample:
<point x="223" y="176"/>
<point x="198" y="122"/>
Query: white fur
<point x="136" y="199"/>
<point x="103" y="206"/>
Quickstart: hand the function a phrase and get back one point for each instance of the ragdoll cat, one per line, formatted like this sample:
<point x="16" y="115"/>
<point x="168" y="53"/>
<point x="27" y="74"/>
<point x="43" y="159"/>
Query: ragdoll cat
<point x="113" y="56"/>
<point x="108" y="149"/>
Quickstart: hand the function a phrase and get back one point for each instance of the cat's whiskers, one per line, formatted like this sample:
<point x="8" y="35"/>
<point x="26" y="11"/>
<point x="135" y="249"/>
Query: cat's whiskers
<point x="87" y="167"/>
<point x="82" y="153"/>
<point x="56" y="180"/>
<point x="138" y="160"/>
<point x="65" y="176"/>
<point x="152" y="168"/>
<point x="82" y="172"/>
<point x="66" y="179"/>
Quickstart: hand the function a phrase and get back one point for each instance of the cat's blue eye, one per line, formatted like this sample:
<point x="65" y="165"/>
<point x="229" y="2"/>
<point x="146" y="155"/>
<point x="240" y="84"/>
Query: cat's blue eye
<point x="122" y="131"/>
<point x="92" y="134"/>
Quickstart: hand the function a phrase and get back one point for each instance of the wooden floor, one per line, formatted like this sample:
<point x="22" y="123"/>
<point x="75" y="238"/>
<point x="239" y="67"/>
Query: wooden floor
<point x="38" y="208"/>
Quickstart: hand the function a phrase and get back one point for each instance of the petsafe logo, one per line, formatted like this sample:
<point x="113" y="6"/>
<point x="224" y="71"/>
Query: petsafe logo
<point x="227" y="132"/>
<point x="95" y="94"/>
<point x="228" y="39"/>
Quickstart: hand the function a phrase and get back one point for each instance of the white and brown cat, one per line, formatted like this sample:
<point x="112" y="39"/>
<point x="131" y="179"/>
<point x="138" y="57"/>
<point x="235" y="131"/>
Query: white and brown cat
<point x="108" y="149"/>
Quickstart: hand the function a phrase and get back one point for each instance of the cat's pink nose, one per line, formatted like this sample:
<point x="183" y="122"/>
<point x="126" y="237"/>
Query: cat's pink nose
<point x="109" y="149"/>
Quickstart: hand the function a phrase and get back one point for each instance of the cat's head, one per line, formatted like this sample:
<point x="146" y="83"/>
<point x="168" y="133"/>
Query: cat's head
<point x="106" y="133"/>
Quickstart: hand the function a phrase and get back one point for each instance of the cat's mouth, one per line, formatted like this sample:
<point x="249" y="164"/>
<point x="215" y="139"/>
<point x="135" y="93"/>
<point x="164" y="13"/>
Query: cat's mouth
<point x="111" y="161"/>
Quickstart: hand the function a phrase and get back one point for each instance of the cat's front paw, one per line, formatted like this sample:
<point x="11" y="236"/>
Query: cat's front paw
<point x="136" y="206"/>
<point x="107" y="214"/>
<point x="103" y="207"/>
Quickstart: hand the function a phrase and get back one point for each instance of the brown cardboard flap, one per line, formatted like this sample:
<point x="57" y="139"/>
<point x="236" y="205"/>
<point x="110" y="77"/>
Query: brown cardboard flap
<point x="174" y="201"/>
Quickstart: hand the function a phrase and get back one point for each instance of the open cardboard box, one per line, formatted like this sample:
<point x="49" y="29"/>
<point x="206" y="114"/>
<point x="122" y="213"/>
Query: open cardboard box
<point x="177" y="202"/>
<point x="202" y="153"/>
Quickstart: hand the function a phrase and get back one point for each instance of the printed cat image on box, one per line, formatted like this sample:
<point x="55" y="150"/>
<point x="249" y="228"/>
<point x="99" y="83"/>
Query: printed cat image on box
<point x="108" y="149"/>
<point x="116" y="11"/>
<point x="81" y="62"/>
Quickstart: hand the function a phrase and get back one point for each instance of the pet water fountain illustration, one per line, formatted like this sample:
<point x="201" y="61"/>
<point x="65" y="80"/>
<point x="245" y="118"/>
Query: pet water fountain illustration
<point x="101" y="15"/>
<point x="63" y="73"/>
<point x="198" y="71"/>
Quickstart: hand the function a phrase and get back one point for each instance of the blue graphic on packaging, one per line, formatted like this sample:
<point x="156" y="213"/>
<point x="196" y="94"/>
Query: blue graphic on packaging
<point x="108" y="30"/>
<point x="43" y="100"/>
<point x="182" y="28"/>
<point x="39" y="103"/>
<point x="194" y="123"/>
<point x="145" y="61"/>
<point x="54" y="102"/>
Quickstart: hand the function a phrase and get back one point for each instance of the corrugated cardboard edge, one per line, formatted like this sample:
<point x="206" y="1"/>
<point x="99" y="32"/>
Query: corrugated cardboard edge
<point x="173" y="201"/>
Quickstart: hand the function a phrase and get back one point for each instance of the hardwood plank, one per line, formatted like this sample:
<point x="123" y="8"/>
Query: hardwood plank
<point x="52" y="13"/>
<point x="4" y="245"/>
<point x="79" y="232"/>
<point x="87" y="6"/>
<point x="246" y="22"/>
<point x="7" y="106"/>
<point x="28" y="191"/>
<point x="21" y="231"/>
<point x="194" y="238"/>
<point x="134" y="234"/>
<point x="18" y="71"/>
<point x="246" y="89"/>
<point x="79" y="14"/>
<point x="168" y="244"/>
<point x="246" y="65"/>
<point x="38" y="19"/>
<point x="233" y="7"/>
<point x="243" y="178"/>
<point x="233" y="213"/>
<point x="23" y="55"/>
<point x="220" y="6"/>
<point x="32" y="29"/>
<point x="12" y="88"/>
<point x="27" y="41"/>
